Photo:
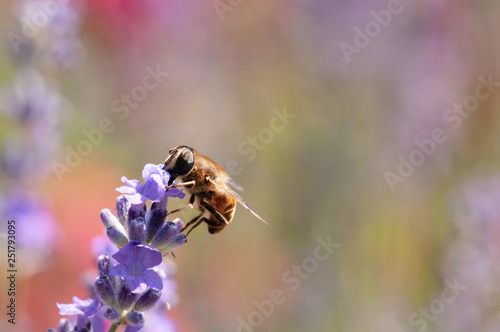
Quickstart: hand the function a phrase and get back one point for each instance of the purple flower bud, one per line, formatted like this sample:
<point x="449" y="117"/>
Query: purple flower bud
<point x="178" y="240"/>
<point x="155" y="222"/>
<point x="116" y="236"/>
<point x="103" y="265"/>
<point x="51" y="330"/>
<point x="125" y="297"/>
<point x="134" y="318"/>
<point x="83" y="324"/>
<point x="137" y="211"/>
<point x="104" y="290"/>
<point x="64" y="326"/>
<point x="147" y="300"/>
<point x="122" y="208"/>
<point x="137" y="230"/>
<point x="112" y="315"/>
<point x="166" y="234"/>
<point x="179" y="223"/>
<point x="109" y="219"/>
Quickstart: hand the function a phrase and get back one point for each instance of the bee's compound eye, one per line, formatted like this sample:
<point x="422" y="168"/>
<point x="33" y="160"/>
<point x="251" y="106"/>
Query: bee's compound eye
<point x="185" y="162"/>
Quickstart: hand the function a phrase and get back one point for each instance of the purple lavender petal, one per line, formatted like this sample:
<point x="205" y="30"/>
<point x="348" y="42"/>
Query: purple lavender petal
<point x="165" y="175"/>
<point x="138" y="256"/>
<point x="69" y="309"/>
<point x="136" y="284"/>
<point x="153" y="189"/>
<point x="131" y="183"/>
<point x="136" y="199"/>
<point x="79" y="307"/>
<point x="126" y="190"/>
<point x="123" y="255"/>
<point x="149" y="257"/>
<point x="118" y="270"/>
<point x="135" y="258"/>
<point x="174" y="192"/>
<point x="150" y="170"/>
<point x="83" y="303"/>
<point x="153" y="280"/>
<point x="91" y="308"/>
<point x="134" y="185"/>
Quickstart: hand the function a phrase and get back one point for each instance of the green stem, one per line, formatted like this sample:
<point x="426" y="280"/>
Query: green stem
<point x="113" y="328"/>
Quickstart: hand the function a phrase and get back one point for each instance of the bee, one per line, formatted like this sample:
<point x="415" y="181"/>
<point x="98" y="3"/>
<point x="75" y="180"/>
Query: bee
<point x="209" y="186"/>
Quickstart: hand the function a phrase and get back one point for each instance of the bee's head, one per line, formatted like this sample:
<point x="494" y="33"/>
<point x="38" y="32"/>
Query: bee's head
<point x="180" y="161"/>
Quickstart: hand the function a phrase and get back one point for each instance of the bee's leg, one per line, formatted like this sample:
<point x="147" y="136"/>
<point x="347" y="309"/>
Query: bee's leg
<point x="196" y="225"/>
<point x="189" y="206"/>
<point x="182" y="184"/>
<point x="214" y="212"/>
<point x="196" y="221"/>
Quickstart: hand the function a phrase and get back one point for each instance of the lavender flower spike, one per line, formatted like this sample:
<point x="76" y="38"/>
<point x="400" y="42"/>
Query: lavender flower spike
<point x="130" y="280"/>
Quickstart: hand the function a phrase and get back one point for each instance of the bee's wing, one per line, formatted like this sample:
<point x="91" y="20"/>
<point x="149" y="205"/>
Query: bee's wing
<point x="238" y="198"/>
<point x="228" y="180"/>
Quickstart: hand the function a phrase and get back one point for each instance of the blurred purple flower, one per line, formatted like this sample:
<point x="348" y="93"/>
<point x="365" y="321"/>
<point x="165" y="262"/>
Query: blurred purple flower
<point x="60" y="32"/>
<point x="30" y="98"/>
<point x="169" y="292"/>
<point x="155" y="321"/>
<point x="102" y="245"/>
<point x="66" y="52"/>
<point x="474" y="255"/>
<point x="34" y="104"/>
<point x="136" y="260"/>
<point x="35" y="224"/>
<point x="66" y="46"/>
<point x="66" y="20"/>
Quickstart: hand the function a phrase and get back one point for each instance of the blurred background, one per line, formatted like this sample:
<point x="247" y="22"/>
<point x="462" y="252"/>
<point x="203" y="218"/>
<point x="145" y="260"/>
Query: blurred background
<point x="368" y="124"/>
